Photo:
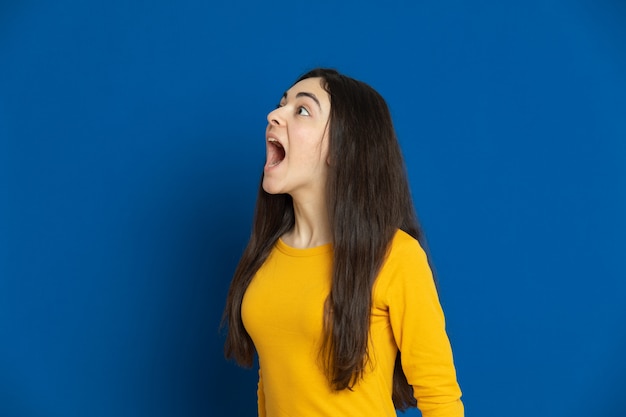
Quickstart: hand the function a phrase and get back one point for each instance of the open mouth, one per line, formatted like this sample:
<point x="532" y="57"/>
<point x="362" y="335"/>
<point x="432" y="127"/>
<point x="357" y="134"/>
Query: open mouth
<point x="275" y="152"/>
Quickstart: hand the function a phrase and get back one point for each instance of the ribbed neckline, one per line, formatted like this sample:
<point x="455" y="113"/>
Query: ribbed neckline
<point x="291" y="251"/>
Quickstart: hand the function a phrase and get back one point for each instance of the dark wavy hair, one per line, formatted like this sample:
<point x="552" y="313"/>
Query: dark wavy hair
<point x="368" y="199"/>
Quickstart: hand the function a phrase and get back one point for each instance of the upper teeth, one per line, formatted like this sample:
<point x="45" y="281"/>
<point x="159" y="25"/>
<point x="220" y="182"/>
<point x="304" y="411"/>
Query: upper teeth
<point x="274" y="140"/>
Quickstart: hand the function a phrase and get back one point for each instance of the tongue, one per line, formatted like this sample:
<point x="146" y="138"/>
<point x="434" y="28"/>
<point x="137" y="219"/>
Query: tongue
<point x="275" y="155"/>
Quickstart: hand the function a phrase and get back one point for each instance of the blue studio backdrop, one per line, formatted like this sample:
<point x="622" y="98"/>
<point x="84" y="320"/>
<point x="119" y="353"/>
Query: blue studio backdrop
<point x="131" y="143"/>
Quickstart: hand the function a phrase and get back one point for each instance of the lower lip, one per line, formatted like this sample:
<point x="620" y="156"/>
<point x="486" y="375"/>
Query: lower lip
<point x="269" y="167"/>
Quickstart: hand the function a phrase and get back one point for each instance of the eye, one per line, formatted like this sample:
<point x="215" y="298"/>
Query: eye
<point x="302" y="111"/>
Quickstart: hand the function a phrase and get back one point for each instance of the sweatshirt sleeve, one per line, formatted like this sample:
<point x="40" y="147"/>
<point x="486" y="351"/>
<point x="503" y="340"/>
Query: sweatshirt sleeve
<point x="261" y="396"/>
<point x="418" y="326"/>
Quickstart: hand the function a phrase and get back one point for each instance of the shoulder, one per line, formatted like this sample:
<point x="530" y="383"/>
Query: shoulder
<point x="404" y="248"/>
<point x="405" y="266"/>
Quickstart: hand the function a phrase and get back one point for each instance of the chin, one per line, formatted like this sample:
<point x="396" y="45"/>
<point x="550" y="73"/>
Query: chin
<point x="269" y="188"/>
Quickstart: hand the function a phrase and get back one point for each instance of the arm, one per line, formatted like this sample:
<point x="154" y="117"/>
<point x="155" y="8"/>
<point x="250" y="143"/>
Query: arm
<point x="418" y="326"/>
<point x="261" y="395"/>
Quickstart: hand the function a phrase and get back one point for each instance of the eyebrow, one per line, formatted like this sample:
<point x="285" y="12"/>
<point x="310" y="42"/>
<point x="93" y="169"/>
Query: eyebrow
<point x="306" y="94"/>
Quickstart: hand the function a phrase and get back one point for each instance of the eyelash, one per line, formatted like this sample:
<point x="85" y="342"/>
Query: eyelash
<point x="298" y="109"/>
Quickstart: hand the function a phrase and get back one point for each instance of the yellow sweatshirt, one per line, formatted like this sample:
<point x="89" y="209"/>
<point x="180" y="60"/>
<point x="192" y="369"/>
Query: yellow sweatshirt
<point x="282" y="311"/>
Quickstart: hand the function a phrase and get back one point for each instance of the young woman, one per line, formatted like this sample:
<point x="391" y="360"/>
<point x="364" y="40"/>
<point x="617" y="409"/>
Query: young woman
<point x="334" y="291"/>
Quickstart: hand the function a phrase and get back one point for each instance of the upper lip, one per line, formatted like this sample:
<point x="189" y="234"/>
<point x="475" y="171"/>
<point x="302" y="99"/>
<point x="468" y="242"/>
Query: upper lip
<point x="272" y="138"/>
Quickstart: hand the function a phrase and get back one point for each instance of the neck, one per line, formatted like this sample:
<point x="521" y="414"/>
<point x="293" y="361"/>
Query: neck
<point x="312" y="227"/>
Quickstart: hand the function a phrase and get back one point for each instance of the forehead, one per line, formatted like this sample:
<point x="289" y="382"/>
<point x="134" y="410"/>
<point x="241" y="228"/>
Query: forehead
<point x="312" y="86"/>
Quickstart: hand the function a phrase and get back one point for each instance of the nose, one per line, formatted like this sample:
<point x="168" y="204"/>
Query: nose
<point x="274" y="118"/>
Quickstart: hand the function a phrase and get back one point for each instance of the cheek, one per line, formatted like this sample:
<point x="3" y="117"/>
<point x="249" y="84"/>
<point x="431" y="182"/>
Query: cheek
<point x="301" y="140"/>
<point x="309" y="145"/>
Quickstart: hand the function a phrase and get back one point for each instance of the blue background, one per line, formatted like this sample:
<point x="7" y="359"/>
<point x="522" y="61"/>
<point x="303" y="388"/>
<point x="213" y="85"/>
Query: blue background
<point x="132" y="138"/>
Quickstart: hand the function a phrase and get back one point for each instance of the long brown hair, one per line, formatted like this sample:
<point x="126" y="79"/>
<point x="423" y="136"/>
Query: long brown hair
<point x="368" y="200"/>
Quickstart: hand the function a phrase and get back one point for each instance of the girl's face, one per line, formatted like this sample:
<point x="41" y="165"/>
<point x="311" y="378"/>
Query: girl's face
<point x="297" y="142"/>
